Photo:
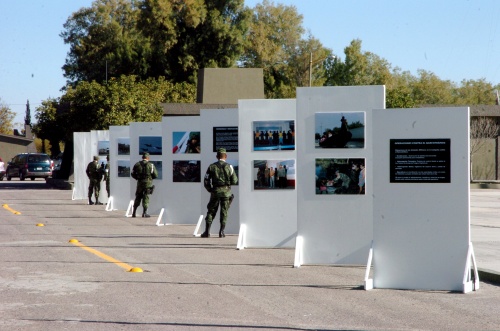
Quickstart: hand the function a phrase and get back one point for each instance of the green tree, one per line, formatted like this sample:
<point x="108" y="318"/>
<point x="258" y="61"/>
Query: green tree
<point x="105" y="42"/>
<point x="195" y="34"/>
<point x="27" y="117"/>
<point x="428" y="89"/>
<point x="475" y="92"/>
<point x="6" y="118"/>
<point x="49" y="126"/>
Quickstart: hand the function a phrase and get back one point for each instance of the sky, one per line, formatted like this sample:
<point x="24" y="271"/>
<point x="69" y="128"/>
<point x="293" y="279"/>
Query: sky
<point x="454" y="39"/>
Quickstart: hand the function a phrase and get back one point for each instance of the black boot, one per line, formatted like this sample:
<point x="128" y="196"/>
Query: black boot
<point x="221" y="232"/>
<point x="90" y="201"/>
<point x="145" y="213"/>
<point x="97" y="202"/>
<point x="206" y="234"/>
<point x="133" y="212"/>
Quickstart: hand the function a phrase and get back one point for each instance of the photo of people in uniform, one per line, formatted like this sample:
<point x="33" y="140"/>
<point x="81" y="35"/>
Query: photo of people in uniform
<point x="186" y="142"/>
<point x="273" y="135"/>
<point x="123" y="168"/>
<point x="340" y="176"/>
<point x="150" y="144"/>
<point x="123" y="146"/>
<point x="103" y="147"/>
<point x="186" y="171"/>
<point x="274" y="174"/>
<point x="339" y="130"/>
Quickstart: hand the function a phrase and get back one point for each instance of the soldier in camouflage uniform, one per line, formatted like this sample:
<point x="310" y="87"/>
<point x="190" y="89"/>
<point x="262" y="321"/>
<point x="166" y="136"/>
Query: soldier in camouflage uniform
<point x="107" y="175"/>
<point x="218" y="180"/>
<point x="144" y="172"/>
<point x="94" y="173"/>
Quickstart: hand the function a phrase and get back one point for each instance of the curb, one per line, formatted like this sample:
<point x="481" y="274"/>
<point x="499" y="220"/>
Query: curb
<point x="489" y="276"/>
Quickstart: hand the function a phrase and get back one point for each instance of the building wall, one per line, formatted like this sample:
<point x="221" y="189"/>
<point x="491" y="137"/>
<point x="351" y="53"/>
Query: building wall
<point x="484" y="161"/>
<point x="9" y="150"/>
<point x="228" y="85"/>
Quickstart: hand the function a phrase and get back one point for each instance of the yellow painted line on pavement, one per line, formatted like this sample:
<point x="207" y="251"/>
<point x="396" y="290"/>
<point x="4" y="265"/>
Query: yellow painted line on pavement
<point x="6" y="206"/>
<point x="102" y="255"/>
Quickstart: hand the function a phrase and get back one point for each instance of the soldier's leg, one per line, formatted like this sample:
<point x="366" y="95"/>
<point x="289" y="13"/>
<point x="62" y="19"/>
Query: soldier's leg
<point x="90" y="192"/>
<point x="224" y="209"/>
<point x="137" y="202"/>
<point x="97" y="189"/>
<point x="212" y="207"/>
<point x="145" y="204"/>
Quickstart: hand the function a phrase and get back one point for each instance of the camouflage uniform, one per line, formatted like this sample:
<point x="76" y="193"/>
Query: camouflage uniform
<point x="218" y="180"/>
<point x="94" y="173"/>
<point x="144" y="171"/>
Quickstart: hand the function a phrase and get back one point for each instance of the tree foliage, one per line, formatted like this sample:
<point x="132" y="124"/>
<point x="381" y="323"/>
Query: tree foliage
<point x="6" y="118"/>
<point x="153" y="38"/>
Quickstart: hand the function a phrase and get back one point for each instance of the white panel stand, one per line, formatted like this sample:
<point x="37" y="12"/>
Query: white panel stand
<point x="299" y="247"/>
<point x="109" y="205"/>
<point x="242" y="237"/>
<point x="468" y="284"/>
<point x="129" y="209"/>
<point x="73" y="194"/>
<point x="369" y="281"/>
<point x="158" y="221"/>
<point x="197" y="228"/>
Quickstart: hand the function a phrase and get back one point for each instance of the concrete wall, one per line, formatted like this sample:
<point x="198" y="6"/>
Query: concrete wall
<point x="484" y="161"/>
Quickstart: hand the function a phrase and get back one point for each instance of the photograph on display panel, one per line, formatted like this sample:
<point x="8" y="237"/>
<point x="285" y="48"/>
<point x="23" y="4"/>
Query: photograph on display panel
<point x="150" y="144"/>
<point x="123" y="168"/>
<point x="273" y="174"/>
<point x="103" y="147"/>
<point x="273" y="135"/>
<point x="186" y="142"/>
<point x="340" y="176"/>
<point x="123" y="146"/>
<point x="339" y="130"/>
<point x="187" y="171"/>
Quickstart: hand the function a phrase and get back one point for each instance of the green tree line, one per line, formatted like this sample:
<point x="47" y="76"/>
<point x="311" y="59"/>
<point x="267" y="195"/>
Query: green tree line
<point x="128" y="56"/>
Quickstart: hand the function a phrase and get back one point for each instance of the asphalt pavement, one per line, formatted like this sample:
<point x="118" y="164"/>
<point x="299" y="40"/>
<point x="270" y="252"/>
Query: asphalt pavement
<point x="66" y="265"/>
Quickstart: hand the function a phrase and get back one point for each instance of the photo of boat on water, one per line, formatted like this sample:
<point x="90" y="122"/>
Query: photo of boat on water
<point x="340" y="130"/>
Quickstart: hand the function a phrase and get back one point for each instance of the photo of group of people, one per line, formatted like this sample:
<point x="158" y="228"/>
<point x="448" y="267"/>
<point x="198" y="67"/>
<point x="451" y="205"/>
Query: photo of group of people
<point x="150" y="144"/>
<point x="273" y="135"/>
<point x="186" y="142"/>
<point x="340" y="176"/>
<point x="274" y="174"/>
<point x="340" y="130"/>
<point x="123" y="168"/>
<point x="186" y="171"/>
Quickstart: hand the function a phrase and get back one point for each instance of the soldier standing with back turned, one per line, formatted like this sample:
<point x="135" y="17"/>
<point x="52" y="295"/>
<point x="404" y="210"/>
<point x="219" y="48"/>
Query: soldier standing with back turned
<point x="94" y="173"/>
<point x="218" y="180"/>
<point x="144" y="172"/>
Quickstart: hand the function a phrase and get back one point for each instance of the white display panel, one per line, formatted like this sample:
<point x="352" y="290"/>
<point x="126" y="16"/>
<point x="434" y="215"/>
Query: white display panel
<point x="138" y="132"/>
<point x="219" y="119"/>
<point x="82" y="155"/>
<point x="421" y="229"/>
<point x="119" y="182"/>
<point x="99" y="141"/>
<point x="334" y="228"/>
<point x="269" y="215"/>
<point x="180" y="199"/>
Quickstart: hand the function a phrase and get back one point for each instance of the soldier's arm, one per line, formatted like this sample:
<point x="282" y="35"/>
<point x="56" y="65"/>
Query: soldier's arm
<point x="234" y="178"/>
<point x="207" y="181"/>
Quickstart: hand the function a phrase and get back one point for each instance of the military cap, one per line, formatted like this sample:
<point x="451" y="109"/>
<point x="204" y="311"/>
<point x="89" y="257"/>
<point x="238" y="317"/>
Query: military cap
<point x="221" y="150"/>
<point x="145" y="155"/>
<point x="96" y="158"/>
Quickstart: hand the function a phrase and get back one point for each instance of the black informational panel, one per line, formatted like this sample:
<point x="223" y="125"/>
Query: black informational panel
<point x="225" y="137"/>
<point x="420" y="160"/>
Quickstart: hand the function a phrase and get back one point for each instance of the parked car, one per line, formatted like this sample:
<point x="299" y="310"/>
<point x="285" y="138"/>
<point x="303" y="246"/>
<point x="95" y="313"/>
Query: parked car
<point x="29" y="165"/>
<point x="57" y="161"/>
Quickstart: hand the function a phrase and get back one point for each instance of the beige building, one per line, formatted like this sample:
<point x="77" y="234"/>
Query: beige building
<point x="10" y="145"/>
